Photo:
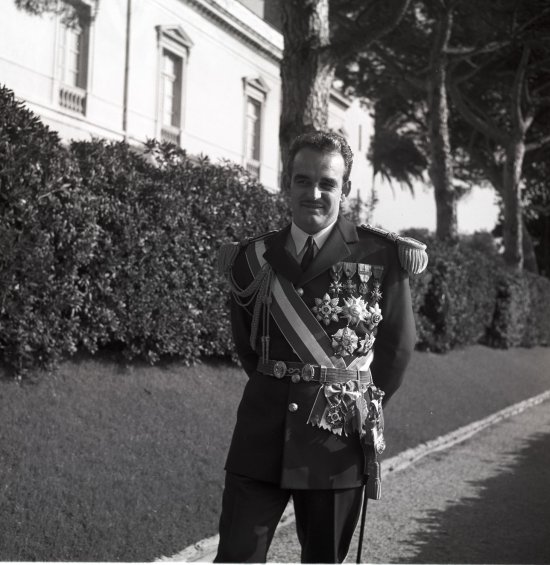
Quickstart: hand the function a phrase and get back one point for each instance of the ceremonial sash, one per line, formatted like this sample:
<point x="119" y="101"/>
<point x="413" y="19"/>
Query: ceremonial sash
<point x="297" y="323"/>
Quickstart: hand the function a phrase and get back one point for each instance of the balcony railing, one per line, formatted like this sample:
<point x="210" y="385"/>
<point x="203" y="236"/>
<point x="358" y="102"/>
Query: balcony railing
<point x="72" y="98"/>
<point x="171" y="135"/>
<point x="253" y="167"/>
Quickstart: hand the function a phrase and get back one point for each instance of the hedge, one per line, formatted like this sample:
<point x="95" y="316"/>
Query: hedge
<point x="101" y="245"/>
<point x="467" y="295"/>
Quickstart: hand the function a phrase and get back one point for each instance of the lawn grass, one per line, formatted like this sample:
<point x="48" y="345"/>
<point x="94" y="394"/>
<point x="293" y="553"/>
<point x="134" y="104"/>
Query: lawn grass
<point x="105" y="462"/>
<point x="101" y="462"/>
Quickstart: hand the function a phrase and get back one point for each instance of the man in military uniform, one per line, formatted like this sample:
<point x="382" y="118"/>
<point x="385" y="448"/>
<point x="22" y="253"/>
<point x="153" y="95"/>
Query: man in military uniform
<point x="323" y="325"/>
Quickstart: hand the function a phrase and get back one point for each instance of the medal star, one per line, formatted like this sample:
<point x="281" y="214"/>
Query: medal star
<point x="344" y="342"/>
<point x="376" y="293"/>
<point x="355" y="310"/>
<point x="366" y="344"/>
<point x="335" y="287"/>
<point x="350" y="287"/>
<point x="375" y="316"/>
<point x="326" y="309"/>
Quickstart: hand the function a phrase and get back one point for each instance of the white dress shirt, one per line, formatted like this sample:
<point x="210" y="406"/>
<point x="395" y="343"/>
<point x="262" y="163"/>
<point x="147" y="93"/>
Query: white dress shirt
<point x="296" y="243"/>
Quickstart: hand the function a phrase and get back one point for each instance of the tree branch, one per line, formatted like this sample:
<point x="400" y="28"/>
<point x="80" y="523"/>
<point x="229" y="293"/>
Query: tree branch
<point x="398" y="70"/>
<point x="518" y="120"/>
<point x="473" y="51"/>
<point x="363" y="37"/>
<point x="533" y="145"/>
<point x="484" y="126"/>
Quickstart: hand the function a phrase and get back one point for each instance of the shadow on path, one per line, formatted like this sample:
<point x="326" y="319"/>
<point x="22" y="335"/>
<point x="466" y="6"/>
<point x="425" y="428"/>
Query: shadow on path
<point x="507" y="522"/>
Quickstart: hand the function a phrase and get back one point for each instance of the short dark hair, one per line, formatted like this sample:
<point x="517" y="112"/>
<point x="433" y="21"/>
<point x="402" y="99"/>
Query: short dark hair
<point x="325" y="142"/>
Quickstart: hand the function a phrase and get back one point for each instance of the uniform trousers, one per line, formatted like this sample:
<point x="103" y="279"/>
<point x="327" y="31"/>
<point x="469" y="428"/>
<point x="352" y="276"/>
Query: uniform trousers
<point x="251" y="510"/>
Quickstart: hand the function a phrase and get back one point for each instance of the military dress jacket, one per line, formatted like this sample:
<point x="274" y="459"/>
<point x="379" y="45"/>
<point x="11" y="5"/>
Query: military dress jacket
<point x="272" y="439"/>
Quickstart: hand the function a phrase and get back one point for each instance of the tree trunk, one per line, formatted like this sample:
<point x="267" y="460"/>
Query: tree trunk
<point x="529" y="256"/>
<point x="307" y="71"/>
<point x="513" y="235"/>
<point x="441" y="169"/>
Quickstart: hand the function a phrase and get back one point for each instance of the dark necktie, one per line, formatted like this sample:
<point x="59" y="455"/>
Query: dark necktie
<point x="308" y="255"/>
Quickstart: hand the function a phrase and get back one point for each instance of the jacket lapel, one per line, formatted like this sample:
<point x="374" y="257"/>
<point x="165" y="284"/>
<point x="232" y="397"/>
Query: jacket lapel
<point x="335" y="249"/>
<point x="279" y="258"/>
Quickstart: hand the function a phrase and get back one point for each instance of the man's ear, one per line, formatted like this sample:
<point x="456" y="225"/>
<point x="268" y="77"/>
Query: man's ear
<point x="346" y="187"/>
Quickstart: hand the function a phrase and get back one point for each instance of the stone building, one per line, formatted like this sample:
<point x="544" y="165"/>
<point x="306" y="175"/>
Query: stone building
<point x="203" y="74"/>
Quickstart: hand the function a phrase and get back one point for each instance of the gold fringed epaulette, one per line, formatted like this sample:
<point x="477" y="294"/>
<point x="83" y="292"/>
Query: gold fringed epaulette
<point x="412" y="253"/>
<point x="228" y="252"/>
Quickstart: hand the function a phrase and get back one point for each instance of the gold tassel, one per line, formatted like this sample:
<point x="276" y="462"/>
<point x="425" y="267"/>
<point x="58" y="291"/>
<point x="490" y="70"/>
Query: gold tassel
<point x="374" y="481"/>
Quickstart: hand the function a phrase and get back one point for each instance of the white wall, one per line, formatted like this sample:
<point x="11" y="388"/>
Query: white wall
<point x="213" y="117"/>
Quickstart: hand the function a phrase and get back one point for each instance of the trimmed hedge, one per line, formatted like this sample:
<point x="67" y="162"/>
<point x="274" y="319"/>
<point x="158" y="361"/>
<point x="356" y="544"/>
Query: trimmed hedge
<point x="467" y="295"/>
<point x="102" y="246"/>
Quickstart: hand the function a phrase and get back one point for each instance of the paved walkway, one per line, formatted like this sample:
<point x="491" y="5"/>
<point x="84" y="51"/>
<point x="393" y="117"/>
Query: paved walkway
<point x="486" y="500"/>
<point x="460" y="490"/>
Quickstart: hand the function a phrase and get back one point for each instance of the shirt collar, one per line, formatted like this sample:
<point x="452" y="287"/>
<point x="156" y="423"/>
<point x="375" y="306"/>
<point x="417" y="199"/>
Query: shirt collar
<point x="299" y="236"/>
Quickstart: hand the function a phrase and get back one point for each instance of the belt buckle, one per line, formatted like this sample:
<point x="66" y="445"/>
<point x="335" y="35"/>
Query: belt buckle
<point x="279" y="369"/>
<point x="308" y="372"/>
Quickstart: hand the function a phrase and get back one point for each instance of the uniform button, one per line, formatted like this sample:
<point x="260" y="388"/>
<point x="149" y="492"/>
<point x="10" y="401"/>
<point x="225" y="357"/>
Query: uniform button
<point x="300" y="291"/>
<point x="295" y="378"/>
<point x="292" y="407"/>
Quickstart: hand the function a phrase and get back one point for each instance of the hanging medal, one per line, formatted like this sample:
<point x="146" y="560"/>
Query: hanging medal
<point x="364" y="271"/>
<point x="335" y="287"/>
<point x="365" y="345"/>
<point x="349" y="270"/>
<point x="376" y="293"/>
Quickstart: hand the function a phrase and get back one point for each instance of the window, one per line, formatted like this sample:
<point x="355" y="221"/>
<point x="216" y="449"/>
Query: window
<point x="174" y="47"/>
<point x="253" y="134"/>
<point x="255" y="91"/>
<point x="72" y="59"/>
<point x="171" y="89"/>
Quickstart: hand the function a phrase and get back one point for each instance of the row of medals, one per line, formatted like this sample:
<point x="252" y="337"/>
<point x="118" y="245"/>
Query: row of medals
<point x="362" y="308"/>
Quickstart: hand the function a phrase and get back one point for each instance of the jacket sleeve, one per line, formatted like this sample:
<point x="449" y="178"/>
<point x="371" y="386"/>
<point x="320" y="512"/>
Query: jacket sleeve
<point x="241" y="321"/>
<point x="396" y="335"/>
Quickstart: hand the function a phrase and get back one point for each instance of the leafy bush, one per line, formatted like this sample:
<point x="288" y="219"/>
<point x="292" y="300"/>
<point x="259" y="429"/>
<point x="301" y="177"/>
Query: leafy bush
<point x="100" y="245"/>
<point x="44" y="233"/>
<point x="456" y="302"/>
<point x="521" y="316"/>
<point x="467" y="295"/>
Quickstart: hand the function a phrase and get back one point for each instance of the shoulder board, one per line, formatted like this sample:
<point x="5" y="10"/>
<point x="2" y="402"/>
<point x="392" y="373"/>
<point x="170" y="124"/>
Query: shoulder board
<point x="228" y="252"/>
<point x="412" y="253"/>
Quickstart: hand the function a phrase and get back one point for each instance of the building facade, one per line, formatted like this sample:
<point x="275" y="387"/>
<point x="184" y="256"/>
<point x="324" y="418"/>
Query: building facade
<point x="203" y="74"/>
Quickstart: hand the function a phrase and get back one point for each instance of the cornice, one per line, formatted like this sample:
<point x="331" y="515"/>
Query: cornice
<point x="237" y="27"/>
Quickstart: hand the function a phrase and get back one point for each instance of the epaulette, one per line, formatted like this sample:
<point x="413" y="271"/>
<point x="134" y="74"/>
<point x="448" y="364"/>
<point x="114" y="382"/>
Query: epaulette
<point x="412" y="253"/>
<point x="228" y="252"/>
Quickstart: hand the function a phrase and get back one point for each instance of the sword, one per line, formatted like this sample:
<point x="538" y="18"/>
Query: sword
<point x="362" y="526"/>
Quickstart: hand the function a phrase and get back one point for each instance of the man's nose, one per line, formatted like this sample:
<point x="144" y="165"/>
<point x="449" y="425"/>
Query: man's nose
<point x="316" y="191"/>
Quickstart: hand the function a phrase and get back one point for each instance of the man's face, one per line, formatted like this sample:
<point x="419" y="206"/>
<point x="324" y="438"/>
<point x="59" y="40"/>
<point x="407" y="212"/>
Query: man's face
<point x="316" y="188"/>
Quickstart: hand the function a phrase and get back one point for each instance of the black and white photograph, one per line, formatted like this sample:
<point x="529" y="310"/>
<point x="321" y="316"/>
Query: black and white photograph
<point x="275" y="281"/>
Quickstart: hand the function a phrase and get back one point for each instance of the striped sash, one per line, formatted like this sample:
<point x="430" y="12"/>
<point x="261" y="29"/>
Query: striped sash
<point x="297" y="323"/>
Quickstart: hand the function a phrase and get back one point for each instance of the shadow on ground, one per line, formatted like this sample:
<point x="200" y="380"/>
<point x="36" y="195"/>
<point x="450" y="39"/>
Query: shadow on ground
<point x="507" y="522"/>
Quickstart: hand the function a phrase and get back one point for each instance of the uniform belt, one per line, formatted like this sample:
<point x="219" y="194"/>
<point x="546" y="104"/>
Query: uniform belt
<point x="308" y="372"/>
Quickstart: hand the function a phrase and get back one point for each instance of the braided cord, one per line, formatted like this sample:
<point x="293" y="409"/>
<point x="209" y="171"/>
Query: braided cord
<point x="259" y="292"/>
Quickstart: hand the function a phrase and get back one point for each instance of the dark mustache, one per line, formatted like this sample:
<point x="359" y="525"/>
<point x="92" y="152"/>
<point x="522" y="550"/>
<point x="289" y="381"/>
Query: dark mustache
<point x="314" y="202"/>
